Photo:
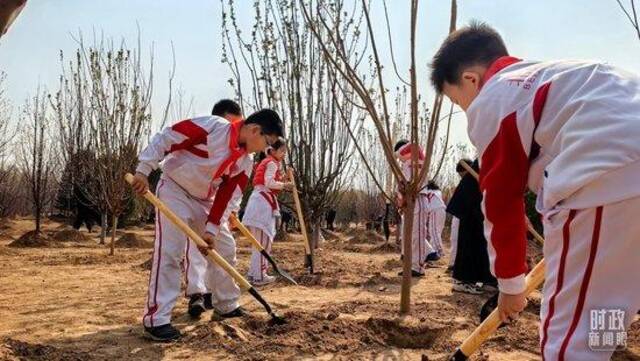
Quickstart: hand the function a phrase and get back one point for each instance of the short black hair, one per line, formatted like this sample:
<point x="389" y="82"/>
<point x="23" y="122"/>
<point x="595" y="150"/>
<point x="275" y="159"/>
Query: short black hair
<point x="474" y="44"/>
<point x="279" y="143"/>
<point x="472" y="164"/>
<point x="226" y="106"/>
<point x="399" y="144"/>
<point x="268" y="120"/>
<point x="432" y="185"/>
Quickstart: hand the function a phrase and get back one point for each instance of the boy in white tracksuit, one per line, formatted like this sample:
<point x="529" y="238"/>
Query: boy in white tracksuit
<point x="262" y="210"/>
<point x="571" y="132"/>
<point x="420" y="246"/>
<point x="195" y="264"/>
<point x="207" y="163"/>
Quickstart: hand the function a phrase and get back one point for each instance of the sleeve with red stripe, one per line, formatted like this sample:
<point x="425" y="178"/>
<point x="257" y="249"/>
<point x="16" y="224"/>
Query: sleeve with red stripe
<point x="270" y="179"/>
<point x="184" y="135"/>
<point x="503" y="180"/>
<point x="228" y="189"/>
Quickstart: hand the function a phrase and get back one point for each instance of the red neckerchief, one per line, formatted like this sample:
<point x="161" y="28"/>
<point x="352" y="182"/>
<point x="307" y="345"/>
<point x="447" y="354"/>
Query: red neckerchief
<point x="234" y="148"/>
<point x="499" y="64"/>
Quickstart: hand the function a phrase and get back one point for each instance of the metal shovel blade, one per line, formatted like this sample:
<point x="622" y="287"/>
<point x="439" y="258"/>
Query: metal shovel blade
<point x="273" y="263"/>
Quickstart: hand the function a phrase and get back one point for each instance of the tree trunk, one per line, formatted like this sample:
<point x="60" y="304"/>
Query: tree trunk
<point x="407" y="224"/>
<point x="103" y="225"/>
<point x="397" y="219"/>
<point x="316" y="236"/>
<point x="114" y="224"/>
<point x="38" y="220"/>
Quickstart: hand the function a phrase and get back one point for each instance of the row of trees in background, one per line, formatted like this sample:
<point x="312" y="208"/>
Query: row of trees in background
<point x="278" y="64"/>
<point x="327" y="27"/>
<point x="77" y="142"/>
<point x="319" y="64"/>
<point x="102" y="110"/>
<point x="10" y="178"/>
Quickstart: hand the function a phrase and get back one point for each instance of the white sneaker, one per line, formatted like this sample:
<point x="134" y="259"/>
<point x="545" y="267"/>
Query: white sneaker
<point x="466" y="288"/>
<point x="266" y="279"/>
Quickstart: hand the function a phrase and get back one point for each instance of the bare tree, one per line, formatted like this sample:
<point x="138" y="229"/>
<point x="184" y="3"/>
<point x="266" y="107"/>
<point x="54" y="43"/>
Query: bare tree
<point x="285" y="70"/>
<point x="37" y="155"/>
<point x="631" y="14"/>
<point x="103" y="111"/>
<point x="9" y="190"/>
<point x="6" y="134"/>
<point x="322" y="21"/>
<point x="120" y="97"/>
<point x="72" y="114"/>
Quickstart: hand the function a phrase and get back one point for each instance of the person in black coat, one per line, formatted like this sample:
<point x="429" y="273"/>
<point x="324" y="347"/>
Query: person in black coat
<point x="472" y="258"/>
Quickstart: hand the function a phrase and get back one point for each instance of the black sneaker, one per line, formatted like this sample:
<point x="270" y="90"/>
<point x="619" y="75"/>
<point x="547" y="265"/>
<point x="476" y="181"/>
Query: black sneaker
<point x="238" y="312"/>
<point x="196" y="305"/>
<point x="208" y="302"/>
<point x="413" y="274"/>
<point x="433" y="256"/>
<point x="164" y="333"/>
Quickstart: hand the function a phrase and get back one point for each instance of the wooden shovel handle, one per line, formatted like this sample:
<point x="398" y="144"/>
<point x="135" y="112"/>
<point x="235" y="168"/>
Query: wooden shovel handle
<point x="211" y="254"/>
<point x="492" y="322"/>
<point x="296" y="200"/>
<point x="533" y="280"/>
<point x="247" y="233"/>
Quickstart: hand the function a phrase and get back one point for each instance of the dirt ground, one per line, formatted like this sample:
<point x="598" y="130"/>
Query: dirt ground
<point x="74" y="302"/>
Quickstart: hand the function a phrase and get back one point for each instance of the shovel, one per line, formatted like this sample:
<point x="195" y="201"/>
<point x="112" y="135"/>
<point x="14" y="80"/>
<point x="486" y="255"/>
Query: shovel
<point x="491" y="322"/>
<point x="211" y="253"/>
<point x="236" y="222"/>
<point x="303" y="228"/>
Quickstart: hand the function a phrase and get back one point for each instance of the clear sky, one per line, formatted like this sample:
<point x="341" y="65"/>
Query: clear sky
<point x="542" y="29"/>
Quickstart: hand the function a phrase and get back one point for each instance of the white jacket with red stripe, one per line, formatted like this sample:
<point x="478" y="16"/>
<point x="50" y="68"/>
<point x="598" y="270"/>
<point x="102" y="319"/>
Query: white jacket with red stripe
<point x="266" y="177"/>
<point x="203" y="157"/>
<point x="568" y="130"/>
<point x="405" y="156"/>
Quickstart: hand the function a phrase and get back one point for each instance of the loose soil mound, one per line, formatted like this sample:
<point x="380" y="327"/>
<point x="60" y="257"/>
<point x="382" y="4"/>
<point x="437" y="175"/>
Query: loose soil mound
<point x="366" y="237"/>
<point x="83" y="259"/>
<point x="70" y="235"/>
<point x="350" y="231"/>
<point x="386" y="248"/>
<point x="331" y="235"/>
<point x="11" y="350"/>
<point x="282" y="237"/>
<point x="132" y="240"/>
<point x="5" y="227"/>
<point x="313" y="333"/>
<point x="377" y="279"/>
<point x="392" y="264"/>
<point x="146" y="265"/>
<point x="32" y="239"/>
<point x="149" y="227"/>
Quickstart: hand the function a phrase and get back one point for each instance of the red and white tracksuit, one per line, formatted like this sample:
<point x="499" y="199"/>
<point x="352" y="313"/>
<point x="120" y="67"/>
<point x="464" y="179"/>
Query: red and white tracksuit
<point x="571" y="132"/>
<point x="420" y="246"/>
<point x="435" y="220"/>
<point x="203" y="175"/>
<point x="262" y="211"/>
